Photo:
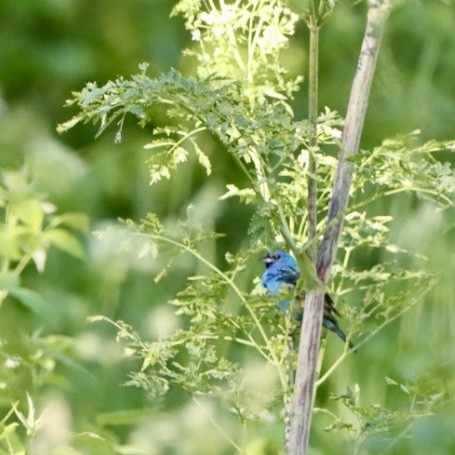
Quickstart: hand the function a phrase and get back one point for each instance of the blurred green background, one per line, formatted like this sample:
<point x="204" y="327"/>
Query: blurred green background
<point x="49" y="48"/>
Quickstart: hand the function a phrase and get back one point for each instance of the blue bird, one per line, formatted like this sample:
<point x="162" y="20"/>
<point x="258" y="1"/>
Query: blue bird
<point x="281" y="268"/>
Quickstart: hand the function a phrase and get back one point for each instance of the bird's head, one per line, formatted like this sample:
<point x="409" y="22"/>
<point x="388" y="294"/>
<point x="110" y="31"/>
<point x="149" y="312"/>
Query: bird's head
<point x="271" y="258"/>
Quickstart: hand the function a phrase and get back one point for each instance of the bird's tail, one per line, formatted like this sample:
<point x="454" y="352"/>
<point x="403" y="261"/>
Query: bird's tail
<point x="335" y="328"/>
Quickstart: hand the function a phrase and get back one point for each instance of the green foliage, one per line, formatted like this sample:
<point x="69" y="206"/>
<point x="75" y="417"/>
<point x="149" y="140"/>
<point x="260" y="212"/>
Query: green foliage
<point x="229" y="341"/>
<point x="403" y="164"/>
<point x="242" y="41"/>
<point x="375" y="422"/>
<point x="28" y="229"/>
<point x="241" y="97"/>
<point x="315" y="13"/>
<point x="191" y="359"/>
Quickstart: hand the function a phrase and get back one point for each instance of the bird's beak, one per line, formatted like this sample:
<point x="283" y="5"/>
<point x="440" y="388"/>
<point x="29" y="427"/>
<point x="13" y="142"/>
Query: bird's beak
<point x="267" y="259"/>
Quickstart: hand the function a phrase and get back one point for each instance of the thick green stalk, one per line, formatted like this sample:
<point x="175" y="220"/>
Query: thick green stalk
<point x="312" y="139"/>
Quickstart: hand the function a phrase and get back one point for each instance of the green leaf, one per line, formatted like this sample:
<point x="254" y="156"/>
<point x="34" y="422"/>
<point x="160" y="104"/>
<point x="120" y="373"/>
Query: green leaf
<point x="246" y="195"/>
<point x="75" y="220"/>
<point x="34" y="302"/>
<point x="7" y="430"/>
<point x="9" y="243"/>
<point x="62" y="127"/>
<point x="202" y="158"/>
<point x="9" y="280"/>
<point x="65" y="241"/>
<point x="30" y="213"/>
<point x="9" y="437"/>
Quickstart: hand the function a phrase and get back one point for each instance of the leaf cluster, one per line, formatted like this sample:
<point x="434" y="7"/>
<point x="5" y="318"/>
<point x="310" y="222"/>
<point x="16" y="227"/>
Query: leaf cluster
<point x="376" y="422"/>
<point x="216" y="310"/>
<point x="404" y="164"/>
<point x="29" y="226"/>
<point x="242" y="41"/>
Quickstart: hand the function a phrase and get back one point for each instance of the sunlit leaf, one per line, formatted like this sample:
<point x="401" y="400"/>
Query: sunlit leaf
<point x="30" y="213"/>
<point x="77" y="221"/>
<point x="65" y="241"/>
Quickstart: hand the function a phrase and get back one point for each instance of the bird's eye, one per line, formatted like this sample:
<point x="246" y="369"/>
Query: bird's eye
<point x="276" y="256"/>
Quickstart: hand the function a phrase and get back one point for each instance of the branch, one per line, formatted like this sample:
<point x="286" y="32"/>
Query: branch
<point x="302" y="405"/>
<point x="312" y="320"/>
<point x="355" y="116"/>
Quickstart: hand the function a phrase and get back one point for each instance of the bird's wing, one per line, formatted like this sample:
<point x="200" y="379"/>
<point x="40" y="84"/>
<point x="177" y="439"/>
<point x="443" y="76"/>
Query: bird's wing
<point x="329" y="308"/>
<point x="288" y="274"/>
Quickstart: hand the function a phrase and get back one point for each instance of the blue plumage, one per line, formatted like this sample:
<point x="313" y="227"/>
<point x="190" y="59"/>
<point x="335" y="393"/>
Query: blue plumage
<point x="281" y="268"/>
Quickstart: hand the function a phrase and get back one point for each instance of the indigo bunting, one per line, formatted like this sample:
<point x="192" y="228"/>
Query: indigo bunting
<point x="281" y="268"/>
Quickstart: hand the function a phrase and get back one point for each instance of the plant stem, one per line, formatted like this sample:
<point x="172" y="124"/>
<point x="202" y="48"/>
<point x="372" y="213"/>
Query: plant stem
<point x="314" y="302"/>
<point x="218" y="426"/>
<point x="355" y="116"/>
<point x="302" y="407"/>
<point x="312" y="139"/>
<point x="312" y="184"/>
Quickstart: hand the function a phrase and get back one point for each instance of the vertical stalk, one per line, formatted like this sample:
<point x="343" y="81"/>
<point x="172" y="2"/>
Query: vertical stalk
<point x="302" y="403"/>
<point x="312" y="137"/>
<point x="378" y="11"/>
